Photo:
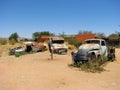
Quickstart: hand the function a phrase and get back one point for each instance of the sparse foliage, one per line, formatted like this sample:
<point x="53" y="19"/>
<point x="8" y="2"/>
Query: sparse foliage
<point x="91" y="65"/>
<point x="45" y="33"/>
<point x="74" y="42"/>
<point x="113" y="37"/>
<point x="62" y="34"/>
<point x="100" y="35"/>
<point x="118" y="33"/>
<point x="3" y="41"/>
<point x="14" y="36"/>
<point x="12" y="41"/>
<point x="84" y="32"/>
<point x="35" y="35"/>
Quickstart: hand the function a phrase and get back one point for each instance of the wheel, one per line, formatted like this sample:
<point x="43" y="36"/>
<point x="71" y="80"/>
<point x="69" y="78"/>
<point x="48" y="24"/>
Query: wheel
<point x="113" y="57"/>
<point x="93" y="57"/>
<point x="99" y="58"/>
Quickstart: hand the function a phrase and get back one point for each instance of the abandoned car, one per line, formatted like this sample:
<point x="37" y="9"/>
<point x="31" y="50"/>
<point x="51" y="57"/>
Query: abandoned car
<point x="12" y="51"/>
<point x="93" y="49"/>
<point x="57" y="45"/>
<point x="27" y="47"/>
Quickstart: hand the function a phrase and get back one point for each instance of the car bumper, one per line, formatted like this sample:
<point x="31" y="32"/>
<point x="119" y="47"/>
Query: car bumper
<point x="63" y="50"/>
<point x="76" y="57"/>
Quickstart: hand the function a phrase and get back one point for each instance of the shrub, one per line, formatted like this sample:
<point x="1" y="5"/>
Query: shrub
<point x="72" y="47"/>
<point x="3" y="41"/>
<point x="14" y="36"/>
<point x="74" y="42"/>
<point x="12" y="42"/>
<point x="1" y="52"/>
<point x="17" y="54"/>
<point x="91" y="65"/>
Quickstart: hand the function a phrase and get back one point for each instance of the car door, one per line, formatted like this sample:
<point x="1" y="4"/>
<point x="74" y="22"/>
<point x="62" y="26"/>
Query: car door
<point x="104" y="48"/>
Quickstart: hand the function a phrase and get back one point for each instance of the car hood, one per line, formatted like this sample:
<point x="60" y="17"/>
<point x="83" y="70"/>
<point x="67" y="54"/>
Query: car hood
<point x="83" y="49"/>
<point x="60" y="46"/>
<point x="89" y="46"/>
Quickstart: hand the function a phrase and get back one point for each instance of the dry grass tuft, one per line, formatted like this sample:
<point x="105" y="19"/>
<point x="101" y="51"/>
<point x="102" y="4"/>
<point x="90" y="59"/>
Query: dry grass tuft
<point x="5" y="48"/>
<point x="72" y="47"/>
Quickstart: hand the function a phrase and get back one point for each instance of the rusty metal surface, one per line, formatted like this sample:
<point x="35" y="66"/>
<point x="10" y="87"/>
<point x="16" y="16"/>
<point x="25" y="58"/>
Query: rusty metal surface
<point x="90" y="46"/>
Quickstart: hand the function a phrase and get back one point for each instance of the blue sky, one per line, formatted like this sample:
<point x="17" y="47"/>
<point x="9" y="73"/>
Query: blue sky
<point x="56" y="16"/>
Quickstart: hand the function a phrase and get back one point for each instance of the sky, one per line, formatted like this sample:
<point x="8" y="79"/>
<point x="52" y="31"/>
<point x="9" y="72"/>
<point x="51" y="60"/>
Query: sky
<point x="57" y="16"/>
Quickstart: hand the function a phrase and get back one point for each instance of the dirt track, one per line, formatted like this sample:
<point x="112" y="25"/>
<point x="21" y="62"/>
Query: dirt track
<point x="38" y="72"/>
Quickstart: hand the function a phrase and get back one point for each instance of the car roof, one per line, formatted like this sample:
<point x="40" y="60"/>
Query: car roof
<point x="57" y="38"/>
<point x="94" y="39"/>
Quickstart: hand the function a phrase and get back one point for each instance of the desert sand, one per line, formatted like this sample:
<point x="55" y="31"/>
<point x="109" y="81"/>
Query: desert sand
<point x="37" y="72"/>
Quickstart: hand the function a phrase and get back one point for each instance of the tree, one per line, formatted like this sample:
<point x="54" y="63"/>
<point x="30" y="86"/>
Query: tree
<point x="113" y="39"/>
<point x="45" y="33"/>
<point x="14" y="36"/>
<point x="84" y="32"/>
<point x="100" y="35"/>
<point x="62" y="34"/>
<point x="74" y="42"/>
<point x="118" y="33"/>
<point x="37" y="34"/>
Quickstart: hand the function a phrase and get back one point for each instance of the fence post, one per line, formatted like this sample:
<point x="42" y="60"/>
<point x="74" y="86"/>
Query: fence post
<point x="51" y="54"/>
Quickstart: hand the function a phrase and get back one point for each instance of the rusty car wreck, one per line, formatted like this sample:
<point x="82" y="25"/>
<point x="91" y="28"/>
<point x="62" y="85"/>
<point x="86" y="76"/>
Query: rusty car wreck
<point x="93" y="49"/>
<point x="57" y="45"/>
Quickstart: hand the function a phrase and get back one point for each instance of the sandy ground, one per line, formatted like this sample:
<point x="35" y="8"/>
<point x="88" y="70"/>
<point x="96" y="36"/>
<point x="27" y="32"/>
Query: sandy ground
<point x="38" y="72"/>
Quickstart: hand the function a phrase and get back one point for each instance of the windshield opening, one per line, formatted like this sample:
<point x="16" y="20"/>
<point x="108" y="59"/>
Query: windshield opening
<point x="93" y="41"/>
<point x="58" y="41"/>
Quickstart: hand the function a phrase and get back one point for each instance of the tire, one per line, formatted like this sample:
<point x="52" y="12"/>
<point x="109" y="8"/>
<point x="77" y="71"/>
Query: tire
<point x="93" y="57"/>
<point x="99" y="58"/>
<point x="113" y="57"/>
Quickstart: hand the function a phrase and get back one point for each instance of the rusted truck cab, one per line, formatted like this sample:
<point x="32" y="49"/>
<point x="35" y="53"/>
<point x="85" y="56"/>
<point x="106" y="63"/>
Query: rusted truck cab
<point x="92" y="49"/>
<point x="57" y="45"/>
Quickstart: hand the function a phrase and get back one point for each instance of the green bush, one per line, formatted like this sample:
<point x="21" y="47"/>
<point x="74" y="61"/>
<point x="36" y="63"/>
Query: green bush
<point x="3" y="41"/>
<point x="91" y="65"/>
<point x="14" y="36"/>
<point x="74" y="42"/>
<point x="17" y="54"/>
